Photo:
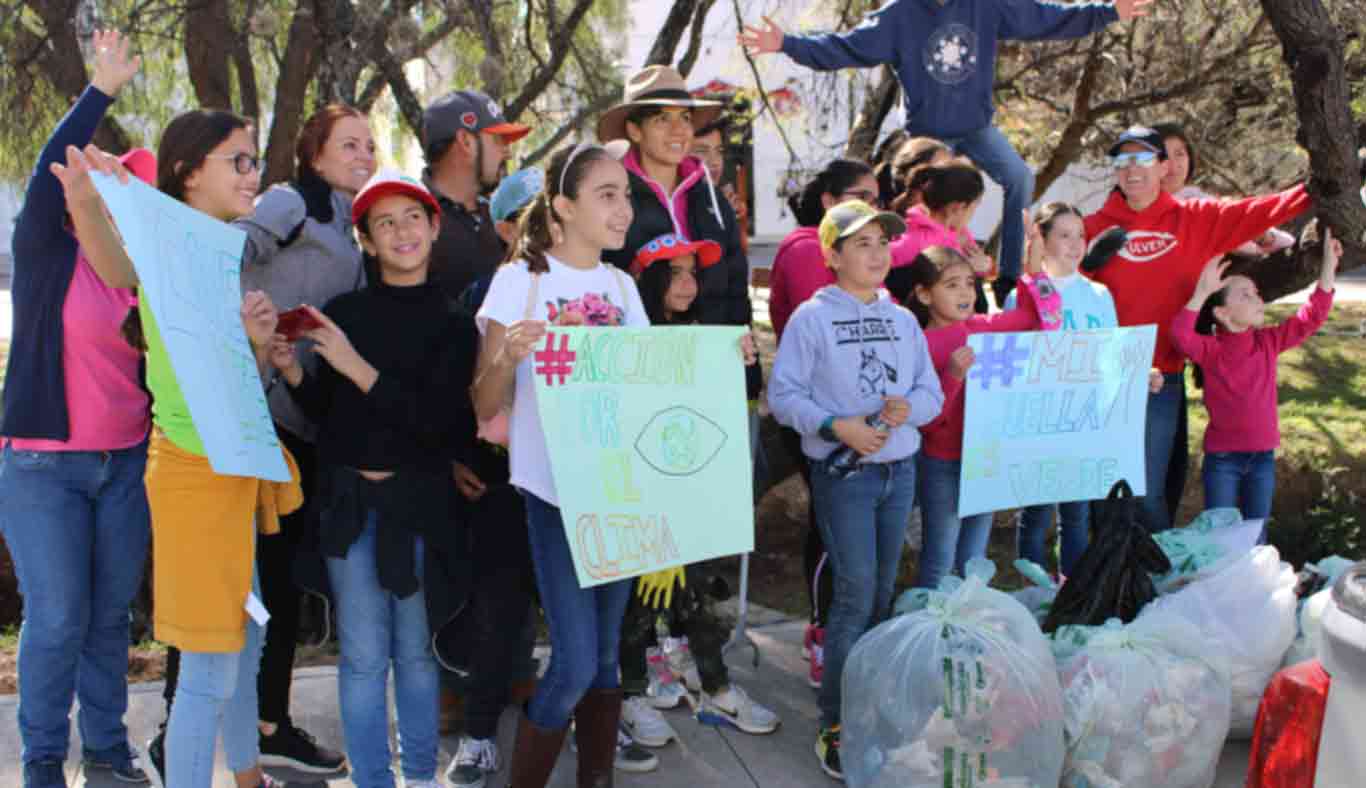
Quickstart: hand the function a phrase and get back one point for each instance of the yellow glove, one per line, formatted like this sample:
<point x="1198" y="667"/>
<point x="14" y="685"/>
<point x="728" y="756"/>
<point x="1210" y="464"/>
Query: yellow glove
<point x="661" y="585"/>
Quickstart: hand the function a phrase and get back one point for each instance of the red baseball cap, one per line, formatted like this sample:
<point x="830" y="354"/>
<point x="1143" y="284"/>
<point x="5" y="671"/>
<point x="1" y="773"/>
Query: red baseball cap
<point x="671" y="246"/>
<point x="386" y="182"/>
<point x="142" y="163"/>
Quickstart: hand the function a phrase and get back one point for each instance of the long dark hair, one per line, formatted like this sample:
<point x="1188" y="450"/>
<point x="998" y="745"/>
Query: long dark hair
<point x="925" y="271"/>
<point x="653" y="284"/>
<point x="534" y="238"/>
<point x="914" y="155"/>
<point x="1168" y="130"/>
<point x="1206" y="323"/>
<point x="837" y="177"/>
<point x="943" y="186"/>
<point x="185" y="142"/>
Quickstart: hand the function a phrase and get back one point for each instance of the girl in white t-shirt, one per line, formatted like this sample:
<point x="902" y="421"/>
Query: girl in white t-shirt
<point x="556" y="276"/>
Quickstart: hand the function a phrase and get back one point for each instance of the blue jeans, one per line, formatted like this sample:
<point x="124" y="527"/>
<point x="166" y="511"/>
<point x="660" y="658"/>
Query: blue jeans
<point x="948" y="541"/>
<point x="215" y="693"/>
<point x="862" y="519"/>
<point x="1164" y="421"/>
<point x="1242" y="479"/>
<point x="584" y="623"/>
<point x="77" y="528"/>
<point x="376" y="631"/>
<point x="1074" y="523"/>
<point x="992" y="152"/>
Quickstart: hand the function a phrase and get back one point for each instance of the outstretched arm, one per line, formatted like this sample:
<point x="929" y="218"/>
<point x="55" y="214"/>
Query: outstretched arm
<point x="1035" y="20"/>
<point x="872" y="43"/>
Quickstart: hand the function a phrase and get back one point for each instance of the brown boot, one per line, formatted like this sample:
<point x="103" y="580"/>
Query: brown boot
<point x="595" y="724"/>
<point x="534" y="754"/>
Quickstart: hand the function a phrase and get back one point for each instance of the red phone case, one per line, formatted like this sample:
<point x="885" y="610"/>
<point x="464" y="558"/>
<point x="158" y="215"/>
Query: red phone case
<point x="295" y="323"/>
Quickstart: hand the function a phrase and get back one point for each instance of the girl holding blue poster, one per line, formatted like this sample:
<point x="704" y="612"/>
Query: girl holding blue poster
<point x="75" y="427"/>
<point x="556" y="275"/>
<point x="204" y="523"/>
<point x="854" y="377"/>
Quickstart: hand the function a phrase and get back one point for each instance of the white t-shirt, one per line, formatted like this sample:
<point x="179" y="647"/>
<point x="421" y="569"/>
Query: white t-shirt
<point x="596" y="292"/>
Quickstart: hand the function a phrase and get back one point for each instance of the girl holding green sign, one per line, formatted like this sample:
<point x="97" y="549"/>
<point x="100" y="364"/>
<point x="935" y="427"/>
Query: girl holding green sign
<point x="556" y="275"/>
<point x="854" y="371"/>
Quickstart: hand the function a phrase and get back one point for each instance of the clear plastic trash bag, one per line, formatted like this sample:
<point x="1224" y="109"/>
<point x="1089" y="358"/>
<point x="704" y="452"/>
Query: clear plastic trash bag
<point x="1145" y="704"/>
<point x="1247" y="611"/>
<point x="960" y="691"/>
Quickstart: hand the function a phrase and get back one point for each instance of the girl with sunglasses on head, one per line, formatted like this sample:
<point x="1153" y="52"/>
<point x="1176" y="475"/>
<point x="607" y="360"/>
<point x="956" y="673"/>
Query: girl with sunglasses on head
<point x="204" y="523"/>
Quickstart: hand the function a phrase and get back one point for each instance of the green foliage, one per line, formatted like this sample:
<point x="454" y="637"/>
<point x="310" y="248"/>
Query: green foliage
<point x="1332" y="525"/>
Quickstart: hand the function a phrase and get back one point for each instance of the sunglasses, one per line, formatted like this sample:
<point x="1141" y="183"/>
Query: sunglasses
<point x="1144" y="158"/>
<point x="244" y="163"/>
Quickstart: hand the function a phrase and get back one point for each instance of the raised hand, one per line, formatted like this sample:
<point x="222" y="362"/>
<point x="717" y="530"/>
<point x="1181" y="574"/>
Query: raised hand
<point x="1211" y="277"/>
<point x="762" y="39"/>
<point x="1130" y="9"/>
<point x="112" y="66"/>
<point x="75" y="174"/>
<point x="1034" y="246"/>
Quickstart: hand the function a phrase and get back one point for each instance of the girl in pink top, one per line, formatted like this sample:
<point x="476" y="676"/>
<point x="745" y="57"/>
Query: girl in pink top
<point x="941" y="296"/>
<point x="1221" y="330"/>
<point x="799" y="268"/>
<point x="950" y="194"/>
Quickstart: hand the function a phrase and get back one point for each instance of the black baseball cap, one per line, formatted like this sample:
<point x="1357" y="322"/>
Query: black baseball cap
<point x="469" y="110"/>
<point x="1141" y="135"/>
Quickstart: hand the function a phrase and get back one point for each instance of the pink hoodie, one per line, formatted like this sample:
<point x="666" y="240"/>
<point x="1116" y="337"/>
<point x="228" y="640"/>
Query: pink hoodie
<point x="921" y="233"/>
<point x="799" y="270"/>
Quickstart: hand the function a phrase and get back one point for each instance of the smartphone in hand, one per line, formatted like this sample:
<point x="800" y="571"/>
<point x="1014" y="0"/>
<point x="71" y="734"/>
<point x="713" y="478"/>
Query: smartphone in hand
<point x="296" y="322"/>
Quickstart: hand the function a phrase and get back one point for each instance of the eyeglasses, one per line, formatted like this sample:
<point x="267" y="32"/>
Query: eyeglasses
<point x="1145" y="158"/>
<point x="244" y="163"/>
<point x="865" y="195"/>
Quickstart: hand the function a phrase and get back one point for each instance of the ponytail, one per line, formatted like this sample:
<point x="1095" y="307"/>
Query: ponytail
<point x="535" y="235"/>
<point x="835" y="179"/>
<point x="947" y="185"/>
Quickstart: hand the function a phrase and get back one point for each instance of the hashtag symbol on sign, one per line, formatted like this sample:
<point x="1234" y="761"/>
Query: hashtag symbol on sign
<point x="554" y="362"/>
<point x="1004" y="363"/>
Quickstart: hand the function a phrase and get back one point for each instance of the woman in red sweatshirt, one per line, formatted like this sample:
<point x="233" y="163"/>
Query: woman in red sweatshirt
<point x="1156" y="272"/>
<point x="1221" y="329"/>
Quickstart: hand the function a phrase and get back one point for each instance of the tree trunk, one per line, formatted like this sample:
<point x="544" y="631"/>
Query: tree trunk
<point x="670" y="33"/>
<point x="699" y="24"/>
<point x="558" y="43"/>
<point x="1313" y="49"/>
<point x="876" y="105"/>
<point x="208" y="49"/>
<point x="291" y="89"/>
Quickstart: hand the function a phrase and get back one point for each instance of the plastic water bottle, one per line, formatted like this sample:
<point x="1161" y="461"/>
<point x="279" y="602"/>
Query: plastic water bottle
<point x="843" y="461"/>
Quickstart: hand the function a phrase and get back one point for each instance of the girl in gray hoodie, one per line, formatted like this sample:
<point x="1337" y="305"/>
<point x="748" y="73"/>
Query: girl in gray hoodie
<point x="853" y="375"/>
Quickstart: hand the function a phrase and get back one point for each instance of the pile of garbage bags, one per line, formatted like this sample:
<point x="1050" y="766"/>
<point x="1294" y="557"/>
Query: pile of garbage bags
<point x="1145" y="703"/>
<point x="1313" y="603"/>
<point x="961" y="690"/>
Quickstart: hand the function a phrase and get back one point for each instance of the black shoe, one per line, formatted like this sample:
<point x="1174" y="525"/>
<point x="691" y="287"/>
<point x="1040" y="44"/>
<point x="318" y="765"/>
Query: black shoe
<point x="293" y="748"/>
<point x="153" y="760"/>
<point x="119" y="761"/>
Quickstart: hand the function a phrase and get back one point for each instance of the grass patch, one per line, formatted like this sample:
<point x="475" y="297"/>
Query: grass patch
<point x="9" y="637"/>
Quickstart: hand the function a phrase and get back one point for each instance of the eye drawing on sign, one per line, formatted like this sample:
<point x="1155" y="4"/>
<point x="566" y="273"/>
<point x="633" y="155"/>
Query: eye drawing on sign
<point x="680" y="441"/>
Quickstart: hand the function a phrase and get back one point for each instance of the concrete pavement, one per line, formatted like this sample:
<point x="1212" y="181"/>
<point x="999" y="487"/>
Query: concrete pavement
<point x="705" y="756"/>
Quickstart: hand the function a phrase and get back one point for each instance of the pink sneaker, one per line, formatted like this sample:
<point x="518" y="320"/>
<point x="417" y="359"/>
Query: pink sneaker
<point x="816" y="650"/>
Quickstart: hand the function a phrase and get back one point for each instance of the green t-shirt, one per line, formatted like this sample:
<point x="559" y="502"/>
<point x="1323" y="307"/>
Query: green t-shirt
<point x="170" y="413"/>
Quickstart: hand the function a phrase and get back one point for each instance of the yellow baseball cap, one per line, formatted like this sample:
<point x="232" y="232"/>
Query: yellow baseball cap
<point x="847" y="218"/>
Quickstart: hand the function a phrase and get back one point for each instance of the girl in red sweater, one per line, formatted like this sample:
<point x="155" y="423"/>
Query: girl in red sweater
<point x="941" y="296"/>
<point x="1221" y="330"/>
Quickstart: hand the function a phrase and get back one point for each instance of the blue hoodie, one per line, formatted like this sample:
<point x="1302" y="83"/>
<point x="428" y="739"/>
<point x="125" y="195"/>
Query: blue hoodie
<point x="944" y="51"/>
<point x="839" y="357"/>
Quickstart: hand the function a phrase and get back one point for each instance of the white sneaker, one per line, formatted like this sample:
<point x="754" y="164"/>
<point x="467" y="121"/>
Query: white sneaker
<point x="645" y="724"/>
<point x="474" y="761"/>
<point x="734" y="706"/>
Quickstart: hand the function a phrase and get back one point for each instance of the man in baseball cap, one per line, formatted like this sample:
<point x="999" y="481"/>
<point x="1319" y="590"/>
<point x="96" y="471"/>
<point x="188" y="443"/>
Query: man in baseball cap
<point x="465" y="140"/>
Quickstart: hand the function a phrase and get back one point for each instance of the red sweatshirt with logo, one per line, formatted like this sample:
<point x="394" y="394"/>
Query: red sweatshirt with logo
<point x="1169" y="243"/>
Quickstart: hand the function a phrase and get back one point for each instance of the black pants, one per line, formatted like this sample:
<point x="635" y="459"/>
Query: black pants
<point x="820" y="578"/>
<point x="279" y="593"/>
<point x="498" y="627"/>
<point x="689" y="614"/>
